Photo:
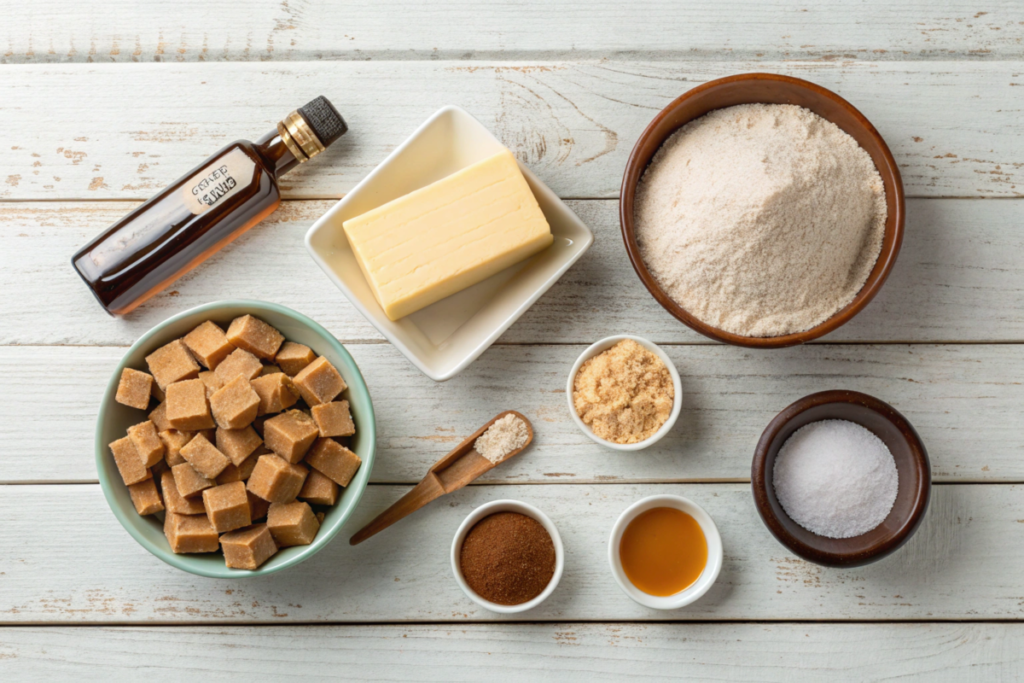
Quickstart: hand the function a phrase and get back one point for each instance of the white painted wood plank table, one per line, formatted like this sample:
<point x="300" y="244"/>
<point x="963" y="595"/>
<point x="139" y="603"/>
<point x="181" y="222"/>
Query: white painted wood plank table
<point x="104" y="103"/>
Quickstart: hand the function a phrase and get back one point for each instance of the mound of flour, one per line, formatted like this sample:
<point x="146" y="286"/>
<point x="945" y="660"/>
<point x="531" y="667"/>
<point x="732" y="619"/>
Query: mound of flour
<point x="761" y="219"/>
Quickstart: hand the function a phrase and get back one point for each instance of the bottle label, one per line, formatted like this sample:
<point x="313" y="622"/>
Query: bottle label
<point x="217" y="182"/>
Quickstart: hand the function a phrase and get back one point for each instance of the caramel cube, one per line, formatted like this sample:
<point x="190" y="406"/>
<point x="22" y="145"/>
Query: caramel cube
<point x="145" y="497"/>
<point x="269" y="370"/>
<point x="255" y="336"/>
<point x="292" y="524"/>
<point x="190" y="534"/>
<point x="228" y="476"/>
<point x="148" y="445"/>
<point x="157" y="393"/>
<point x="204" y="457"/>
<point x="159" y="417"/>
<point x="174" y="501"/>
<point x="235" y="404"/>
<point x="292" y="357"/>
<point x="240" y="362"/>
<point x="134" y="389"/>
<point x="173" y="442"/>
<point x="333" y="460"/>
<point x="290" y="435"/>
<point x="276" y="480"/>
<point x="208" y="344"/>
<point x="238" y="444"/>
<point x="248" y="548"/>
<point x="319" y="382"/>
<point x="211" y="380"/>
<point x="172" y="363"/>
<point x="277" y="392"/>
<point x="334" y="419"/>
<point x="319" y="490"/>
<point x="189" y="482"/>
<point x="257" y="506"/>
<point x="129" y="464"/>
<point x="227" y="506"/>
<point x="187" y="406"/>
<point x="249" y="464"/>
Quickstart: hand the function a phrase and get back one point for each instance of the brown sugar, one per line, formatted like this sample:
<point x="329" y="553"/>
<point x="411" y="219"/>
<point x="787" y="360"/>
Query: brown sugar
<point x="319" y="382"/>
<point x="319" y="490"/>
<point x="333" y="460"/>
<point x="190" y="534"/>
<point x="508" y="558"/>
<point x="159" y="417"/>
<point x="290" y="435"/>
<point x="257" y="506"/>
<point x="129" y="464"/>
<point x="239" y="362"/>
<point x="269" y="370"/>
<point x="134" y="389"/>
<point x="187" y="406"/>
<point x="228" y="476"/>
<point x="211" y="380"/>
<point x="172" y="363"/>
<point x="255" y="336"/>
<point x="204" y="457"/>
<point x="235" y="404"/>
<point x="145" y="497"/>
<point x="249" y="464"/>
<point x="188" y="481"/>
<point x="148" y="445"/>
<point x="277" y="392"/>
<point x="238" y="444"/>
<point x="177" y="503"/>
<point x="624" y="394"/>
<point x="276" y="480"/>
<point x="292" y="358"/>
<point x="334" y="419"/>
<point x="248" y="548"/>
<point x="292" y="524"/>
<point x="208" y="344"/>
<point x="173" y="441"/>
<point x="227" y="506"/>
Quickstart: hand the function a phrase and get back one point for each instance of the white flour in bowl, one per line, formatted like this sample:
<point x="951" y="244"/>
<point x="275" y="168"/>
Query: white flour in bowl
<point x="761" y="219"/>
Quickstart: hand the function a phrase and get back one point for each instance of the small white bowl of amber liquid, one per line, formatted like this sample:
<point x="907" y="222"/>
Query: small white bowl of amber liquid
<point x="665" y="552"/>
<point x="600" y="347"/>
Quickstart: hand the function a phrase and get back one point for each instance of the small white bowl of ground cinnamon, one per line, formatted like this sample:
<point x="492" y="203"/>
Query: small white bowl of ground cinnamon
<point x="624" y="392"/>
<point x="507" y="556"/>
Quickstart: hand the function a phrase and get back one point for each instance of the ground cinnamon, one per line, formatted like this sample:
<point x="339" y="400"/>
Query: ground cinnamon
<point x="508" y="558"/>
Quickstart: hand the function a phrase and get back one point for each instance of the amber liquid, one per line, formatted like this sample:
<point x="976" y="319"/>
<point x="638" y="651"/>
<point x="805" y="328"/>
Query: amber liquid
<point x="663" y="551"/>
<point x="185" y="224"/>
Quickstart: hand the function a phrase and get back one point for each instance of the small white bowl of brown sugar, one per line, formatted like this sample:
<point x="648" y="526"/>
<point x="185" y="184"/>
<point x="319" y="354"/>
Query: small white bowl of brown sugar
<point x="624" y="393"/>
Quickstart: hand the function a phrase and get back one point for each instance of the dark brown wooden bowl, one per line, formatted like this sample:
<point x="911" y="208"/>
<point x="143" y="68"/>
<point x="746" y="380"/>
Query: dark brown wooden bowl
<point x="767" y="89"/>
<point x="911" y="463"/>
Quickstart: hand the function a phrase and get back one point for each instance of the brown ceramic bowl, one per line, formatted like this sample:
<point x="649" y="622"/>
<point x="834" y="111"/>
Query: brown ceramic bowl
<point x="767" y="89"/>
<point x="911" y="463"/>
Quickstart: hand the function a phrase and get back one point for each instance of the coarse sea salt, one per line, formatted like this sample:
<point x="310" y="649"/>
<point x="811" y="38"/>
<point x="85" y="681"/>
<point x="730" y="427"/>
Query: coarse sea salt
<point x="835" y="478"/>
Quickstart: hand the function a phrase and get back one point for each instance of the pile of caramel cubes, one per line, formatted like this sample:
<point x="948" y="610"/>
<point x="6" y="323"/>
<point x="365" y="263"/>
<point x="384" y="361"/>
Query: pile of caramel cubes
<point x="247" y="436"/>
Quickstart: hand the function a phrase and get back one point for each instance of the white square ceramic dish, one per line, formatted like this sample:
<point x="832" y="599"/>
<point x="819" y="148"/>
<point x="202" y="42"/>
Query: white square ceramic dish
<point x="445" y="337"/>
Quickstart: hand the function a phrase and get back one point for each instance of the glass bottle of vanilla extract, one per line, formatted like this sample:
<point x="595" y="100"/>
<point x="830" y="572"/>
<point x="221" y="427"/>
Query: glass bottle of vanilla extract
<point x="202" y="211"/>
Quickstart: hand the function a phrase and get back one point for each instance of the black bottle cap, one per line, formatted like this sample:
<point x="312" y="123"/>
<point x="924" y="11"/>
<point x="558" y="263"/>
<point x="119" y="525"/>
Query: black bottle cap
<point x="324" y="119"/>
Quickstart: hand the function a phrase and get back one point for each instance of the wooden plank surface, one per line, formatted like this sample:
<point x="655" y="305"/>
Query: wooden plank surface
<point x="191" y="30"/>
<point x="783" y="653"/>
<point x="67" y="560"/>
<point x="957" y="279"/>
<point x="964" y="400"/>
<point x="84" y="132"/>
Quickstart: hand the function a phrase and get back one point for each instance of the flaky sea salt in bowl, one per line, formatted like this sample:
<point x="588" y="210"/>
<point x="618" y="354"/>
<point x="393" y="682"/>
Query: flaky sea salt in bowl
<point x="908" y="454"/>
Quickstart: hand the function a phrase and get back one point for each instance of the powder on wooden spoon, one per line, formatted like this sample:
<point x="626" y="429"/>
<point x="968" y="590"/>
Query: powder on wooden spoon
<point x="761" y="219"/>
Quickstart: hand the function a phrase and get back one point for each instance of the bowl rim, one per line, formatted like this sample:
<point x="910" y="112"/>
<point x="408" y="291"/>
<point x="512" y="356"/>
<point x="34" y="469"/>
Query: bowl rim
<point x="106" y="479"/>
<point x="694" y="591"/>
<point x="760" y="479"/>
<point x="603" y="345"/>
<point x="507" y="505"/>
<point x="636" y="166"/>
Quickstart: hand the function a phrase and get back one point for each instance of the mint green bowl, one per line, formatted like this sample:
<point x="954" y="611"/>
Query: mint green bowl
<point x="114" y="420"/>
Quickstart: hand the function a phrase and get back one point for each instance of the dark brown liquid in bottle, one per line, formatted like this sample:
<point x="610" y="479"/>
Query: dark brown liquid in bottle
<point x="185" y="224"/>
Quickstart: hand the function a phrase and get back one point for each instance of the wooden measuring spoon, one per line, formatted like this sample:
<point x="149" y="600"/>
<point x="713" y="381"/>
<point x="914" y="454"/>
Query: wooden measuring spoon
<point x="448" y="474"/>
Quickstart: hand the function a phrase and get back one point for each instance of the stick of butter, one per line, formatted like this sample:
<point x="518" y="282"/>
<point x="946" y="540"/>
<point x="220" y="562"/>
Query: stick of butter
<point x="449" y="235"/>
